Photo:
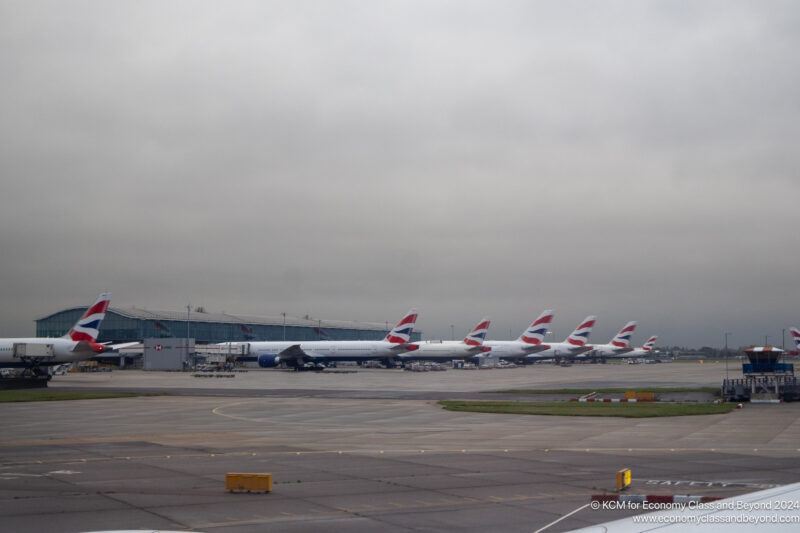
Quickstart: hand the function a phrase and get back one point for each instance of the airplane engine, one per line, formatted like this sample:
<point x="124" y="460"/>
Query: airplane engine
<point x="268" y="360"/>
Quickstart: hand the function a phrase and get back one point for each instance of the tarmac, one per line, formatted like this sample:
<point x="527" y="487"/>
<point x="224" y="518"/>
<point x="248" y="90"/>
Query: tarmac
<point x="369" y="450"/>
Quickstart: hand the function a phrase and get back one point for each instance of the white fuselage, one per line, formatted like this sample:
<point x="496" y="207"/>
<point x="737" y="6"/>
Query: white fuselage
<point x="558" y="349"/>
<point x="512" y="349"/>
<point x="637" y="352"/>
<point x="607" y="350"/>
<point x="62" y="351"/>
<point x="324" y="350"/>
<point x="441" y="351"/>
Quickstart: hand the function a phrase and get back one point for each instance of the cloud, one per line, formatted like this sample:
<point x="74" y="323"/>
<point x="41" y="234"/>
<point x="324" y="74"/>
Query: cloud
<point x="353" y="160"/>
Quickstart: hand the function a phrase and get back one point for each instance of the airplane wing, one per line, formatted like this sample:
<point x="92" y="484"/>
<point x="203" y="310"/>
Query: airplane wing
<point x="296" y="354"/>
<point x="769" y="511"/>
<point x="479" y="349"/>
<point x="404" y="347"/>
<point x="120" y="346"/>
<point x="575" y="350"/>
<point x="82" y="347"/>
<point x="535" y="348"/>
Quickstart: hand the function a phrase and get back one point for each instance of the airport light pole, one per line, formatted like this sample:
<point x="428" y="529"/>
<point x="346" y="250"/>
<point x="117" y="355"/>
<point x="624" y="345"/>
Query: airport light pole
<point x="783" y="339"/>
<point x="188" y="312"/>
<point x="452" y="332"/>
<point x="284" y="326"/>
<point x="726" y="356"/>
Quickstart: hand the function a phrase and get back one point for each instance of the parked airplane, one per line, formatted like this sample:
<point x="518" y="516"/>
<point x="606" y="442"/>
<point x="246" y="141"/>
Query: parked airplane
<point x="620" y="344"/>
<point x="646" y="349"/>
<point x="78" y="344"/>
<point x="530" y="342"/>
<point x="442" y="351"/>
<point x="573" y="345"/>
<point x="298" y="354"/>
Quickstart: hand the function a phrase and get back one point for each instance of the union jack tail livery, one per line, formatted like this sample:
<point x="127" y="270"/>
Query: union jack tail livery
<point x="538" y="329"/>
<point x="478" y="335"/>
<point x="623" y="338"/>
<point x="401" y="333"/>
<point x="87" y="327"/>
<point x="580" y="336"/>
<point x="651" y="342"/>
<point x="796" y="337"/>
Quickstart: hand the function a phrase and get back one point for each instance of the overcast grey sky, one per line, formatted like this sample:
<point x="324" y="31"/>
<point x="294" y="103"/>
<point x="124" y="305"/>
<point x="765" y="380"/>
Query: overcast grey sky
<point x="350" y="160"/>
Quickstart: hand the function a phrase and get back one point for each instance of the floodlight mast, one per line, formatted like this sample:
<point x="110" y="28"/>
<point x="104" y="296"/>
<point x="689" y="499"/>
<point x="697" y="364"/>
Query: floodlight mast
<point x="726" y="355"/>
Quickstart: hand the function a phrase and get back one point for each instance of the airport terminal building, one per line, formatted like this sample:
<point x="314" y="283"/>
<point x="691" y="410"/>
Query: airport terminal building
<point x="129" y="324"/>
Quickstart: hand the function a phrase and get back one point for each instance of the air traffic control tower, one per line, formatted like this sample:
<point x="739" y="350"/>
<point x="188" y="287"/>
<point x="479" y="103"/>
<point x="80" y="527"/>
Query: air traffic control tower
<point x="765" y="379"/>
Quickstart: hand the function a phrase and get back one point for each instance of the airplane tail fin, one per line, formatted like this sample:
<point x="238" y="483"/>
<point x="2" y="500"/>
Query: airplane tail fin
<point x="796" y="337"/>
<point x="538" y="329"/>
<point x="401" y="333"/>
<point x="478" y="334"/>
<point x="580" y="336"/>
<point x="87" y="327"/>
<point x="651" y="342"/>
<point x="623" y="338"/>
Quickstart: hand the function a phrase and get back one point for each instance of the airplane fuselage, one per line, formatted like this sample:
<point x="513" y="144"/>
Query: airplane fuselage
<point x="513" y="349"/>
<point x="442" y="351"/>
<point x="559" y="349"/>
<point x="268" y="353"/>
<point x="637" y="352"/>
<point x="63" y="351"/>
<point x="607" y="350"/>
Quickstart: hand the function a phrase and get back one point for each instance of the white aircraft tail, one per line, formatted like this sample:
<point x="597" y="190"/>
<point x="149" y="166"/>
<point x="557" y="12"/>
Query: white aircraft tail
<point x="401" y="333"/>
<point x="538" y="329"/>
<point x="623" y="338"/>
<point x="478" y="334"/>
<point x="87" y="327"/>
<point x="580" y="336"/>
<point x="651" y="342"/>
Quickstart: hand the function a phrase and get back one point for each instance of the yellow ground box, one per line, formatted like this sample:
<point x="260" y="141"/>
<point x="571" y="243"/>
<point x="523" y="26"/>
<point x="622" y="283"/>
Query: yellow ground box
<point x="623" y="479"/>
<point x="248" y="482"/>
<point x="633" y="395"/>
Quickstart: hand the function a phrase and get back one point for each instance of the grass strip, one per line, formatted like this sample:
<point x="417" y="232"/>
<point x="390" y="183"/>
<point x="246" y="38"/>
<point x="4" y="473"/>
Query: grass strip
<point x="44" y="395"/>
<point x="625" y="410"/>
<point x="711" y="390"/>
